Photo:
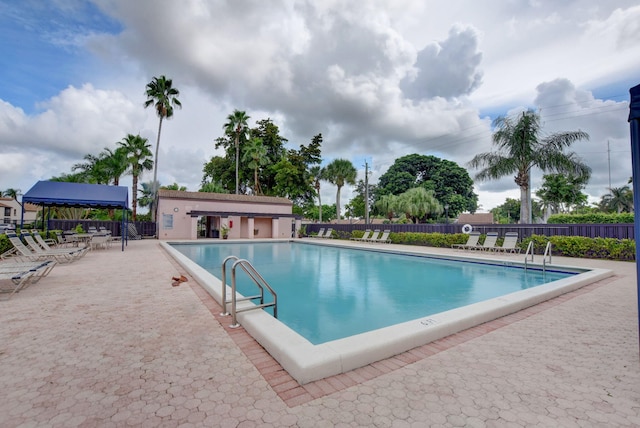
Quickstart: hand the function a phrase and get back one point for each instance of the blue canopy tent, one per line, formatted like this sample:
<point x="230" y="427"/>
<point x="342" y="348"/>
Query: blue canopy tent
<point x="634" y="123"/>
<point x="62" y="194"/>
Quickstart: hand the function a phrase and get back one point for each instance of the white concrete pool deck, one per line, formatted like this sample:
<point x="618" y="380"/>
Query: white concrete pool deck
<point x="107" y="341"/>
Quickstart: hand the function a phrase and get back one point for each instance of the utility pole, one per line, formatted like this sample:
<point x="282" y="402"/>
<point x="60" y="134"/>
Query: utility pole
<point x="366" y="192"/>
<point x="609" y="160"/>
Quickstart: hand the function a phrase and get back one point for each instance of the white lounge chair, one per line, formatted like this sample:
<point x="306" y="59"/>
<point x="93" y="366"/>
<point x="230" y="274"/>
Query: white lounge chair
<point x="489" y="242"/>
<point x="328" y="234"/>
<point x="37" y="253"/>
<point x="384" y="238"/>
<point x="373" y="236"/>
<point x="509" y="245"/>
<point x="364" y="237"/>
<point x="472" y="242"/>
<point x="320" y="233"/>
<point x="18" y="275"/>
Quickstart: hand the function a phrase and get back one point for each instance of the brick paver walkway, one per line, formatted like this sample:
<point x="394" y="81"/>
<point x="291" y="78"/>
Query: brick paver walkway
<point x="107" y="341"/>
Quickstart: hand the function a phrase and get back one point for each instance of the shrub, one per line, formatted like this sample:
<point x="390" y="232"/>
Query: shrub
<point x="580" y="246"/>
<point x="591" y="218"/>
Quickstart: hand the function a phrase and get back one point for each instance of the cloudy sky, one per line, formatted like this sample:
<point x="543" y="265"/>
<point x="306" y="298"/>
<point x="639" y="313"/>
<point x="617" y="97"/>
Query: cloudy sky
<point x="378" y="79"/>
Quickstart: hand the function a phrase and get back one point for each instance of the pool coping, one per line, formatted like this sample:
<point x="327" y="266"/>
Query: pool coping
<point x="306" y="362"/>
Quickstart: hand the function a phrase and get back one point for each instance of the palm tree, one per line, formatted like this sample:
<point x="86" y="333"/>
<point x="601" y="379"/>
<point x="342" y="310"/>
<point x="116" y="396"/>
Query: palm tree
<point x="12" y="193"/>
<point x="90" y="170"/>
<point x="255" y="155"/>
<point x="619" y="199"/>
<point x="387" y="205"/>
<point x="237" y="127"/>
<point x="113" y="164"/>
<point x="340" y="172"/>
<point x="316" y="174"/>
<point x="521" y="148"/>
<point x="139" y="159"/>
<point x="417" y="203"/>
<point x="163" y="96"/>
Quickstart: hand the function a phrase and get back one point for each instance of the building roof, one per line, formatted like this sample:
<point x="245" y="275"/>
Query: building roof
<point x="58" y="193"/>
<point x="177" y="194"/>
<point x="477" y="218"/>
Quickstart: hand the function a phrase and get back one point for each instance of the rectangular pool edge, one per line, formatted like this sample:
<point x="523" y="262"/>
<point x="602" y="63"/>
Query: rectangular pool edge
<point x="306" y="362"/>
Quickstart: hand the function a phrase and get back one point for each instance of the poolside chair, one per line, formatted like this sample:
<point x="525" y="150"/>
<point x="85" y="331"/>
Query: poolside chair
<point x="34" y="252"/>
<point x="92" y="229"/>
<point x="472" y="242"/>
<point x="99" y="241"/>
<point x="320" y="233"/>
<point x="133" y="232"/>
<point x="18" y="275"/>
<point x="509" y="245"/>
<point x="373" y="236"/>
<point x="489" y="242"/>
<point x="328" y="234"/>
<point x="384" y="238"/>
<point x="364" y="237"/>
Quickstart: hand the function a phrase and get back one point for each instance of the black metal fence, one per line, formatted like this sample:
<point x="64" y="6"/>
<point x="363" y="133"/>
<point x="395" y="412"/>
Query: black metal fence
<point x="144" y="228"/>
<point x="618" y="231"/>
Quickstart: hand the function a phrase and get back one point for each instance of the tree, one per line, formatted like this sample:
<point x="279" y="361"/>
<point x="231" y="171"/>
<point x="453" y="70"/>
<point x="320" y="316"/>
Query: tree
<point x="450" y="183"/>
<point x="316" y="174"/>
<point x="340" y="172"/>
<point x="619" y="199"/>
<point x="12" y="193"/>
<point x="417" y="203"/>
<point x="255" y="156"/>
<point x="387" y="205"/>
<point x="357" y="203"/>
<point x="560" y="192"/>
<point x="113" y="164"/>
<point x="520" y="148"/>
<point x="175" y="186"/>
<point x="164" y="97"/>
<point x="237" y="127"/>
<point x="139" y="159"/>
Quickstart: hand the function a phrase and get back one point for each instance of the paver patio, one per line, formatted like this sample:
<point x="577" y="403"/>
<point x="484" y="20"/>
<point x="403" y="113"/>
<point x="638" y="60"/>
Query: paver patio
<point x="107" y="341"/>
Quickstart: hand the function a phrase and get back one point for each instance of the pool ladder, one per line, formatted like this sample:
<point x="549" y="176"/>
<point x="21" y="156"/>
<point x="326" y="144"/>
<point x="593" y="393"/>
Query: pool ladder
<point x="547" y="253"/>
<point x="256" y="278"/>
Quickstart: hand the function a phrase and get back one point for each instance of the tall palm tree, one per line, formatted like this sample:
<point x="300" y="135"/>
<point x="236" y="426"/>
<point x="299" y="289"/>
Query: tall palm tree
<point x="317" y="173"/>
<point x="237" y="127"/>
<point x="255" y="155"/>
<point x="164" y="97"/>
<point x="139" y="159"/>
<point x="340" y="172"/>
<point x="520" y="147"/>
<point x="91" y="170"/>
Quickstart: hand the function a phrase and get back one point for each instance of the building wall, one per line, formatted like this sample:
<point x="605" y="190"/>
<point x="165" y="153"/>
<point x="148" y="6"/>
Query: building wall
<point x="175" y="223"/>
<point x="11" y="211"/>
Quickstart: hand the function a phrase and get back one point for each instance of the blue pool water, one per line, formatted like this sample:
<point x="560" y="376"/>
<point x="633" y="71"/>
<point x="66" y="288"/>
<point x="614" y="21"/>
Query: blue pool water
<point x="327" y="293"/>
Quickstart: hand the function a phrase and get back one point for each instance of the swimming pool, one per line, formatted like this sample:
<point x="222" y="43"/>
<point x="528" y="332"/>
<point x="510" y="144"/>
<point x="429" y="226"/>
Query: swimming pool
<point x="327" y="293"/>
<point x="306" y="362"/>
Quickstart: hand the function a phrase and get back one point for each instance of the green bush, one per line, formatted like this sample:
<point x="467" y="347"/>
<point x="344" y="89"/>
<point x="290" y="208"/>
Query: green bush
<point x="580" y="246"/>
<point x="5" y="244"/>
<point x="591" y="218"/>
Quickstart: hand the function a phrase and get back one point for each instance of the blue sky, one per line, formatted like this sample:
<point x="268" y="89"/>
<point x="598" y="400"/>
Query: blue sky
<point x="378" y="80"/>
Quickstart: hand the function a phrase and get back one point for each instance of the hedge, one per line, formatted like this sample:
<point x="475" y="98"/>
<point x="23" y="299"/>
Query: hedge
<point x="591" y="218"/>
<point x="565" y="246"/>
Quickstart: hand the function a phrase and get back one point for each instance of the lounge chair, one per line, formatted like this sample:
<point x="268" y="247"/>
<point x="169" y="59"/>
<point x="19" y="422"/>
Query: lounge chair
<point x="472" y="242"/>
<point x="364" y="237"/>
<point x="509" y="245"/>
<point x="384" y="238"/>
<point x="328" y="234"/>
<point x="36" y="243"/>
<point x="37" y="253"/>
<point x="320" y="233"/>
<point x="133" y="232"/>
<point x="373" y="236"/>
<point x="489" y="242"/>
<point x="19" y="275"/>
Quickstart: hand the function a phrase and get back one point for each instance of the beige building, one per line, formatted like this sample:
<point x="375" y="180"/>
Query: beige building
<point x="192" y="215"/>
<point x="11" y="211"/>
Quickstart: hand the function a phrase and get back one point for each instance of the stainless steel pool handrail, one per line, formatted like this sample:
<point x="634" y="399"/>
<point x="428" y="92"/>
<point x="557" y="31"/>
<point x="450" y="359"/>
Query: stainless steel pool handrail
<point x="259" y="281"/>
<point x="547" y="252"/>
<point x="526" y="254"/>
